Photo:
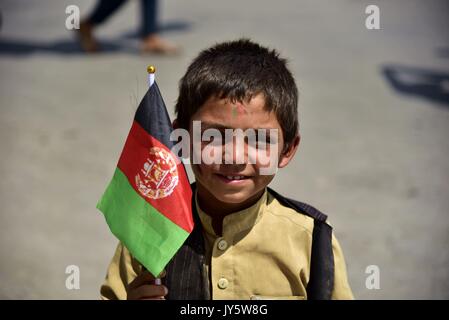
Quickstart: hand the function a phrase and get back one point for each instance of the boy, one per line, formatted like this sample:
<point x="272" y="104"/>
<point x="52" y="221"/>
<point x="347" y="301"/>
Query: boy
<point x="248" y="242"/>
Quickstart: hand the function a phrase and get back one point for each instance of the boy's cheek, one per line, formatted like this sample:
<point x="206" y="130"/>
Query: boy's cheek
<point x="264" y="180"/>
<point x="265" y="159"/>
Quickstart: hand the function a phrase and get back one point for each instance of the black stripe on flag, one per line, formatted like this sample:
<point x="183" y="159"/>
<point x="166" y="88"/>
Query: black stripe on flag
<point x="152" y="115"/>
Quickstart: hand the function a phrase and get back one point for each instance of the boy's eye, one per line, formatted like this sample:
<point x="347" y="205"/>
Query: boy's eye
<point x="256" y="139"/>
<point x="212" y="137"/>
<point x="266" y="138"/>
<point x="263" y="143"/>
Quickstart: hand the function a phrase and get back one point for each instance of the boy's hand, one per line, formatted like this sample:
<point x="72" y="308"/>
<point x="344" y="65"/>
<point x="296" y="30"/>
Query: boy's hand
<point x="144" y="288"/>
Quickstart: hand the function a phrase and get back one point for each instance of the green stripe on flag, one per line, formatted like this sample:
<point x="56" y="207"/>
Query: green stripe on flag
<point x="150" y="237"/>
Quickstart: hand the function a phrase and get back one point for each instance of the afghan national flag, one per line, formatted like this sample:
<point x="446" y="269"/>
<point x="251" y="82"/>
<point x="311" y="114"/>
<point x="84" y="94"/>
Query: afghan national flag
<point x="147" y="204"/>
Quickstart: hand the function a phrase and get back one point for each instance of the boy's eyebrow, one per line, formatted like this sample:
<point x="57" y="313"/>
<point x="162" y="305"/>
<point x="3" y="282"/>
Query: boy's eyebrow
<point x="216" y="125"/>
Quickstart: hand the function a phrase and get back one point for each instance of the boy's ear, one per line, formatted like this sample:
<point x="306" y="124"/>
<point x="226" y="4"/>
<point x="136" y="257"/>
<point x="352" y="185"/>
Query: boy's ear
<point x="289" y="153"/>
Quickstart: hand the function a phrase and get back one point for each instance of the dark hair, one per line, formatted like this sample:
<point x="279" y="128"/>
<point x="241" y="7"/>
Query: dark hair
<point x="239" y="70"/>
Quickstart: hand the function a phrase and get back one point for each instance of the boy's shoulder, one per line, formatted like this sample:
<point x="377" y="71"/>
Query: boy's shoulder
<point x="300" y="213"/>
<point x="298" y="206"/>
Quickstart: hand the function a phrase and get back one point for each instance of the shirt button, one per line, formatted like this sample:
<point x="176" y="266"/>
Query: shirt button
<point x="222" y="245"/>
<point x="223" y="283"/>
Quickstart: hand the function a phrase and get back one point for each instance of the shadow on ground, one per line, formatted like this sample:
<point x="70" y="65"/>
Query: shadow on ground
<point x="418" y="82"/>
<point x="122" y="44"/>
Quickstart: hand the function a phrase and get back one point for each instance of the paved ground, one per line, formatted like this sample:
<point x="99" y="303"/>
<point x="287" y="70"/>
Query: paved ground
<point x="374" y="119"/>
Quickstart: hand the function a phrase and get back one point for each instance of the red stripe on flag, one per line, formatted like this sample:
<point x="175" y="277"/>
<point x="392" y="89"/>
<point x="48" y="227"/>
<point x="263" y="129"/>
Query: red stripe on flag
<point x="149" y="171"/>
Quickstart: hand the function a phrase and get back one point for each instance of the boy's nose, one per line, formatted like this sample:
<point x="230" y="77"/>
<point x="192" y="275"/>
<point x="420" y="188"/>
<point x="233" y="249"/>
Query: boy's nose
<point x="235" y="152"/>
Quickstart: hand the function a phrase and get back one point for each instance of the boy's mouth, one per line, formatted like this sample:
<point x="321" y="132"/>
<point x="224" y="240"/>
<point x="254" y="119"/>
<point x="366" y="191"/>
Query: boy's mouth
<point x="232" y="178"/>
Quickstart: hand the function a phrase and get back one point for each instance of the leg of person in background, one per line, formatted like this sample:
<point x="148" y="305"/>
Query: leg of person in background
<point x="151" y="41"/>
<point x="102" y="11"/>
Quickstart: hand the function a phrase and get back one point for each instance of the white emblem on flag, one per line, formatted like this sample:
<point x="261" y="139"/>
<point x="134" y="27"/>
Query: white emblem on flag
<point x="159" y="175"/>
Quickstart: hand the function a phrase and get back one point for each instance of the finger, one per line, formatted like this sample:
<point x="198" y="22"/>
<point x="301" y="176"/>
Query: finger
<point x="147" y="292"/>
<point x="143" y="278"/>
<point x="157" y="298"/>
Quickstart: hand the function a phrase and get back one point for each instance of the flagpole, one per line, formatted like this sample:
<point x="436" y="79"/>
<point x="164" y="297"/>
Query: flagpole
<point x="151" y="71"/>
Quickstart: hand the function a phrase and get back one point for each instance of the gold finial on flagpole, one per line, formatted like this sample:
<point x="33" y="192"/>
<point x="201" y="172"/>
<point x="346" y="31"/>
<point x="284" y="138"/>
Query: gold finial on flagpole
<point x="151" y="69"/>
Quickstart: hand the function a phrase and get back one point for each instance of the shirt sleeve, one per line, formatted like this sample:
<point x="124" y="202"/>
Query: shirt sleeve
<point x="342" y="290"/>
<point x="121" y="271"/>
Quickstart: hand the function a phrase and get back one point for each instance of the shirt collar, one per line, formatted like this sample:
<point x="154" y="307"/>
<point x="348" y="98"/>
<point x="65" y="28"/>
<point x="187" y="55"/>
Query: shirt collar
<point x="237" y="221"/>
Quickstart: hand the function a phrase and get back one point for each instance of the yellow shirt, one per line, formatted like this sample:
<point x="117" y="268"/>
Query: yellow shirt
<point x="263" y="253"/>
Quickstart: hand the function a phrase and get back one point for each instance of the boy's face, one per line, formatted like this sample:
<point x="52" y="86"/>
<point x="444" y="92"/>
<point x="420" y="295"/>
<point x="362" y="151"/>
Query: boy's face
<point x="237" y="181"/>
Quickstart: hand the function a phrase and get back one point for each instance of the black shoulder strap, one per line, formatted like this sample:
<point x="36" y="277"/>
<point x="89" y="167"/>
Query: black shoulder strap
<point x="321" y="280"/>
<point x="302" y="207"/>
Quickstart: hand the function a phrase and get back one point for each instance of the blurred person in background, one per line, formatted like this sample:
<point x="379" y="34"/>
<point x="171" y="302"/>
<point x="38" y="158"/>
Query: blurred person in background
<point x="151" y="41"/>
